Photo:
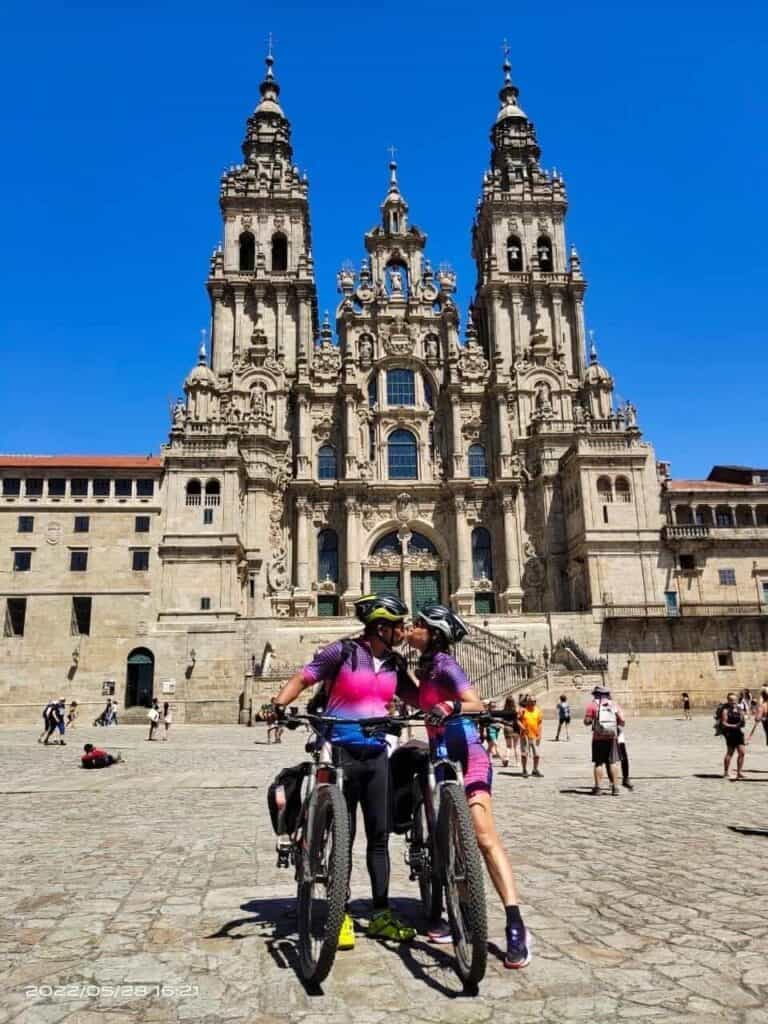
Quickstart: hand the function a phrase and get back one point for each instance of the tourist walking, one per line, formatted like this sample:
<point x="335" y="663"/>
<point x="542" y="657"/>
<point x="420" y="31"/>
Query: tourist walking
<point x="621" y="740"/>
<point x="604" y="717"/>
<point x="732" y="722"/>
<point x="492" y="731"/>
<point x="686" y="700"/>
<point x="511" y="732"/>
<point x="167" y="719"/>
<point x="154" y="718"/>
<point x="56" y="721"/>
<point x="761" y="714"/>
<point x="530" y="719"/>
<point x="46" y="723"/>
<point x="72" y="714"/>
<point x="563" y="716"/>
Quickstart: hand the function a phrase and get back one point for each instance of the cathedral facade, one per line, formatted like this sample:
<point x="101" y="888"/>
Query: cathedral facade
<point x="485" y="466"/>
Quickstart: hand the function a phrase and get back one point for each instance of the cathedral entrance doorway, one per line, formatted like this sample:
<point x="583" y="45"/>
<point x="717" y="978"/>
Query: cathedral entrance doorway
<point x="408" y="565"/>
<point x="140" y="678"/>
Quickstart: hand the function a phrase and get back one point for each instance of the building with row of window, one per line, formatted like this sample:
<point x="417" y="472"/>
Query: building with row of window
<point x="485" y="466"/>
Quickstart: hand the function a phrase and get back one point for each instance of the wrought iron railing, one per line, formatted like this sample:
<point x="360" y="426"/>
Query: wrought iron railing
<point x="568" y="647"/>
<point x="685" y="611"/>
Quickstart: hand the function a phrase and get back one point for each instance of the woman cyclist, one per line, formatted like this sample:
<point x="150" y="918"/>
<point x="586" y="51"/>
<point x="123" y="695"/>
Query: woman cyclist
<point x="444" y="694"/>
<point x="361" y="676"/>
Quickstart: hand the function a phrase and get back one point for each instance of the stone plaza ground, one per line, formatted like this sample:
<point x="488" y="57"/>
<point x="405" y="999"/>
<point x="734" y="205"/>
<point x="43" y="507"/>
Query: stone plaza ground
<point x="148" y="892"/>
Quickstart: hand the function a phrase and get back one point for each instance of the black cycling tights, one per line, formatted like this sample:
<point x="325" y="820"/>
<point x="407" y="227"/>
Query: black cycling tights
<point x="366" y="783"/>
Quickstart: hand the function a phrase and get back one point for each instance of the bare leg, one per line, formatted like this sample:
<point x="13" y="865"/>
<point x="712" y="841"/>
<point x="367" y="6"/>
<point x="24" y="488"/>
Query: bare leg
<point x="496" y="857"/>
<point x="727" y="762"/>
<point x="740" y="762"/>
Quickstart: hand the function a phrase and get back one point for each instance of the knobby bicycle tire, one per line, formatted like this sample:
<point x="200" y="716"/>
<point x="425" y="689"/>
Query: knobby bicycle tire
<point x="430" y="887"/>
<point x="462" y="872"/>
<point x="321" y="917"/>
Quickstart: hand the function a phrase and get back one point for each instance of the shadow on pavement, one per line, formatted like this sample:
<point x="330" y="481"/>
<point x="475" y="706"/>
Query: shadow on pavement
<point x="581" y="791"/>
<point x="710" y="775"/>
<point x="749" y="831"/>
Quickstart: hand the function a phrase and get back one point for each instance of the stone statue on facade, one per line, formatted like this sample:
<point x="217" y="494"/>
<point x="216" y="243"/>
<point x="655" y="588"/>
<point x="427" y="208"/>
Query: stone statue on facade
<point x="396" y="281"/>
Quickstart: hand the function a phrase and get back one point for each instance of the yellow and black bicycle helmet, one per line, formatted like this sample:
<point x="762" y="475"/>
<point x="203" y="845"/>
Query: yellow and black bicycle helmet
<point x="380" y="608"/>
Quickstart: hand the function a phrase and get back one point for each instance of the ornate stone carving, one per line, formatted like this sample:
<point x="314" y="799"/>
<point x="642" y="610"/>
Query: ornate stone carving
<point x="326" y="362"/>
<point x="365" y="349"/>
<point x="483" y="585"/>
<point x="397" y="338"/>
<point x="277" y="573"/>
<point x="404" y="509"/>
<point x="473" y="366"/>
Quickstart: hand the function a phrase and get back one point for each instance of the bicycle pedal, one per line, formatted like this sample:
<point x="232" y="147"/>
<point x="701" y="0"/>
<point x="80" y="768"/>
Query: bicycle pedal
<point x="283" y="854"/>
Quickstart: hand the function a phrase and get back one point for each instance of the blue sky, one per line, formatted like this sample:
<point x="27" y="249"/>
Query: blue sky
<point x="117" y="123"/>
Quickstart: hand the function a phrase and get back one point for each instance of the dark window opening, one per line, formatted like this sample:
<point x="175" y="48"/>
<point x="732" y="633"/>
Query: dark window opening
<point x="605" y="513"/>
<point x="247" y="251"/>
<point x="485" y="604"/>
<point x="326" y="463"/>
<point x="11" y="487"/>
<point x="140" y="560"/>
<point x="26" y="524"/>
<point x="544" y="249"/>
<point x="82" y="524"/>
<point x="727" y="577"/>
<point x="34" y="487"/>
<point x="123" y="488"/>
<point x="142" y="524"/>
<point x="81" y="616"/>
<point x="78" y="560"/>
<point x="687" y="562"/>
<point x="279" y="253"/>
<point x="78" y="487"/>
<point x="22" y="561"/>
<point x="207" y="516"/>
<point x="482" y="558"/>
<point x="478" y="465"/>
<point x="101" y="488"/>
<point x="205" y="604"/>
<point x="725" y="659"/>
<point x="15" y="616"/>
<point x="57" y="488"/>
<point x="327" y="556"/>
<point x="514" y="254"/>
<point x="145" y="488"/>
<point x="401" y="387"/>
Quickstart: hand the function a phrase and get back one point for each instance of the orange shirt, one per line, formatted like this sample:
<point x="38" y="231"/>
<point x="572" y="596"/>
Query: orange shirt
<point x="530" y="722"/>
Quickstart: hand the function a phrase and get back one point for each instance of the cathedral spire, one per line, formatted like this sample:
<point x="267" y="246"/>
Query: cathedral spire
<point x="509" y="92"/>
<point x="394" y="208"/>
<point x="269" y="130"/>
<point x="515" y="149"/>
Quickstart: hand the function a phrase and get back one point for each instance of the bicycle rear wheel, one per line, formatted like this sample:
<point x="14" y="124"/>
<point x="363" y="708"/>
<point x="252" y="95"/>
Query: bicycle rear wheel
<point x="462" y="872"/>
<point x="322" y="894"/>
<point x="423" y="853"/>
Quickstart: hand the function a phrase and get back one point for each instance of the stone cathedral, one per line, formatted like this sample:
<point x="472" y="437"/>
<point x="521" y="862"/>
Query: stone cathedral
<point x="476" y="459"/>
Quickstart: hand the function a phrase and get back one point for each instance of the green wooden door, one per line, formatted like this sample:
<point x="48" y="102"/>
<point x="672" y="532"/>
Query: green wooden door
<point x="425" y="590"/>
<point x="485" y="604"/>
<point x="385" y="583"/>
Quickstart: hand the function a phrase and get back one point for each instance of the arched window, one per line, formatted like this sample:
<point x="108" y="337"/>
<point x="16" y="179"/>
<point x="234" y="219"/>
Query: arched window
<point x="514" y="254"/>
<point x="419" y="544"/>
<point x="544" y="249"/>
<point x="247" y="251"/>
<point x="326" y="463"/>
<point x="212" y="493"/>
<point x="482" y="559"/>
<point x="279" y="252"/>
<point x="605" y="490"/>
<point x="478" y="466"/>
<point x="623" y="490"/>
<point x="403" y="458"/>
<point x="327" y="556"/>
<point x="194" y="492"/>
<point x="389" y="544"/>
<point x="703" y="515"/>
<point x="401" y="387"/>
<point x="373" y="390"/>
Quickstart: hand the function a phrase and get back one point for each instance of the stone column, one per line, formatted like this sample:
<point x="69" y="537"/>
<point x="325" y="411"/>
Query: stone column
<point x="502" y="417"/>
<point x="557" y="322"/>
<point x="302" y="597"/>
<point x="352" y="572"/>
<point x="458" y="453"/>
<point x="463" y="597"/>
<point x="351" y="430"/>
<point x="513" y="595"/>
<point x="581" y="339"/>
<point x="280" y="323"/>
<point x="517" y="333"/>
<point x="503" y="335"/>
<point x="302" y="438"/>
<point x="221" y="346"/>
<point x="239" y="291"/>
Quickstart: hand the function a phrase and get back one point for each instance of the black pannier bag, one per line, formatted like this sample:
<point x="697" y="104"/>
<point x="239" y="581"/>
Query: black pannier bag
<point x="408" y="761"/>
<point x="290" y="779"/>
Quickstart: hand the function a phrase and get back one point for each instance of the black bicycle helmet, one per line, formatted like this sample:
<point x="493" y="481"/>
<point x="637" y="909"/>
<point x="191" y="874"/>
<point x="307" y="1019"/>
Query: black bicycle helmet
<point x="437" y="616"/>
<point x="384" y="608"/>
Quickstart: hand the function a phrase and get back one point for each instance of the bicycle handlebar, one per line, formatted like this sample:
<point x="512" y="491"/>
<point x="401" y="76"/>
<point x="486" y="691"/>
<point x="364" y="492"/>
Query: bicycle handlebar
<point x="392" y="721"/>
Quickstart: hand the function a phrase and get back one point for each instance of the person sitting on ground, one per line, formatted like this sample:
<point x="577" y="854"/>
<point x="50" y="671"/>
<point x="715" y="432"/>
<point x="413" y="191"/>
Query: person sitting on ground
<point x="94" y="758"/>
<point x="605" y="718"/>
<point x="732" y="722"/>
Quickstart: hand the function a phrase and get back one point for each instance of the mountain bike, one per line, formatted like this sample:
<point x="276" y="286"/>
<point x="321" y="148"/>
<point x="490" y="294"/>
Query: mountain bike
<point x="319" y="848"/>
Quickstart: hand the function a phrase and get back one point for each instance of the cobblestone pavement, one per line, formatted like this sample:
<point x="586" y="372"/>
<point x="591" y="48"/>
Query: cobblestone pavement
<point x="160" y="872"/>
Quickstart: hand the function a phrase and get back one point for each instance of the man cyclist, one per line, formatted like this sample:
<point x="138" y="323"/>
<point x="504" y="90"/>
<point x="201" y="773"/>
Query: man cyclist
<point x="361" y="676"/>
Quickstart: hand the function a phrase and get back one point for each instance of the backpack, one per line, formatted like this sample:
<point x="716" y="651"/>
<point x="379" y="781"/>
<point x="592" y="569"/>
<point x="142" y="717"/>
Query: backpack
<point x="290" y="779"/>
<point x="405" y="764"/>
<point x="606" y="724"/>
<point x="717" y="716"/>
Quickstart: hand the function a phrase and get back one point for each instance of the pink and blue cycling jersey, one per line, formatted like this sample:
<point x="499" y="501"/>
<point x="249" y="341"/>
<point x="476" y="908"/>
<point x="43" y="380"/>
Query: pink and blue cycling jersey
<point x="357" y="689"/>
<point x="443" y="679"/>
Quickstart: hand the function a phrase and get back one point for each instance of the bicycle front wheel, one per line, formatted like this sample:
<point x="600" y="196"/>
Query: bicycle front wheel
<point x="322" y="891"/>
<point x="462" y="871"/>
<point x="423" y="854"/>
